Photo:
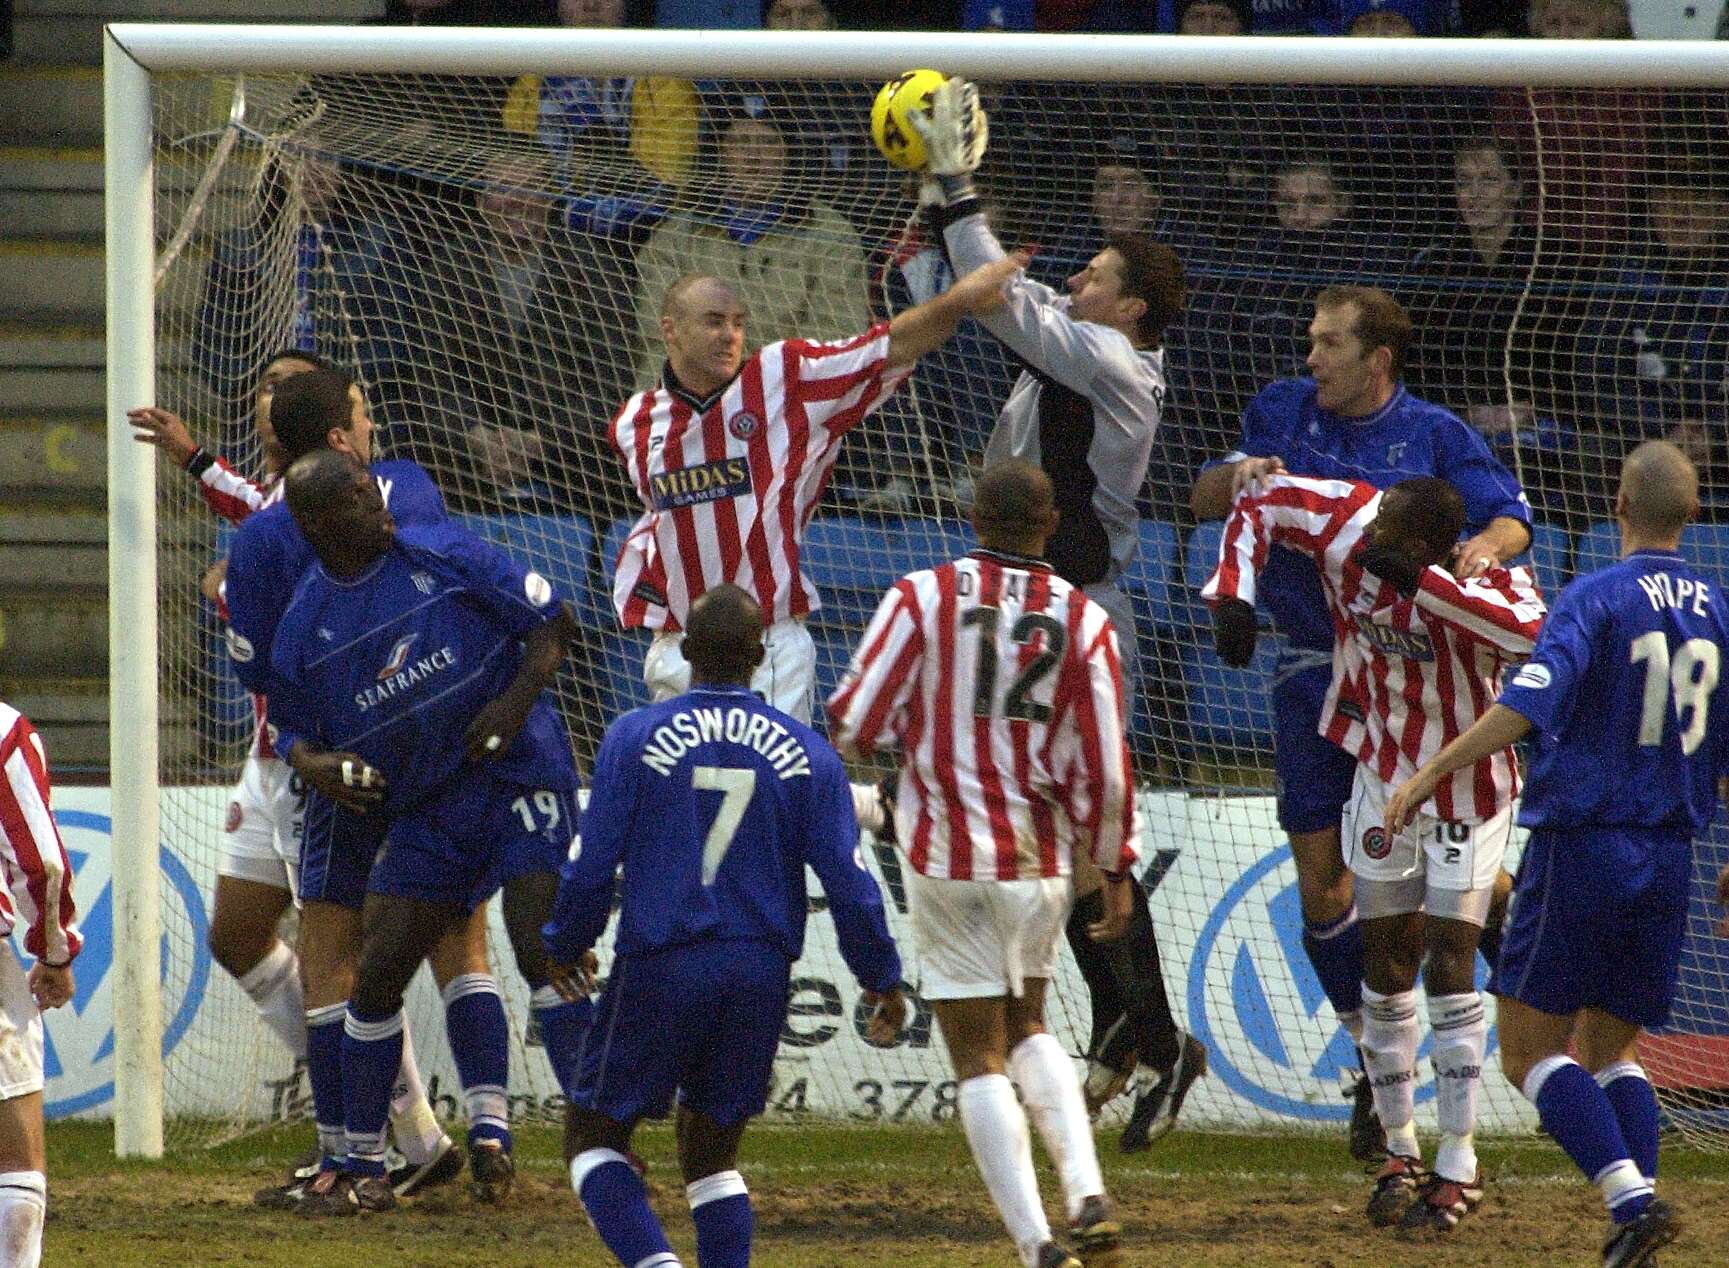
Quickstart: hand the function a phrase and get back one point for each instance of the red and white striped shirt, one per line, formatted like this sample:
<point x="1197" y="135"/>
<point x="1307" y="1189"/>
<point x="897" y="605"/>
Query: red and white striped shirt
<point x="35" y="876"/>
<point x="227" y="492"/>
<point x="1000" y="685"/>
<point x="234" y="497"/>
<point x="730" y="482"/>
<point x="1409" y="675"/>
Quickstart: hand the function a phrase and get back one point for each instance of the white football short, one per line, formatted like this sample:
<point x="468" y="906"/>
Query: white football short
<point x="1447" y="869"/>
<point x="786" y="678"/>
<point x="266" y="821"/>
<point x="20" y="1031"/>
<point x="981" y="939"/>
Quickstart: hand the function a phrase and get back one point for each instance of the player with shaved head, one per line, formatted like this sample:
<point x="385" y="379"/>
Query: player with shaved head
<point x="731" y="453"/>
<point x="714" y="802"/>
<point x="999" y="686"/>
<point x="1628" y="751"/>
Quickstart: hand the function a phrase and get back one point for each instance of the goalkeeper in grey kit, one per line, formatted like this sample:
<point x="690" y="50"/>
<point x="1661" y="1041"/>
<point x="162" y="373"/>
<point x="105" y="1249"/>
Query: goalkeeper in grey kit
<point x="1086" y="409"/>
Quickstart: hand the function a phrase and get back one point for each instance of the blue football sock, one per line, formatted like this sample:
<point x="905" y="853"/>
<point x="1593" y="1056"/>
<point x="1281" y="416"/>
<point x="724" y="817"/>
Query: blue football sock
<point x="617" y="1202"/>
<point x="720" y="1208"/>
<point x="1635" y="1102"/>
<point x="324" y="1071"/>
<point x="480" y="1042"/>
<point x="563" y="1030"/>
<point x="1578" y="1114"/>
<point x="371" y="1056"/>
<point x="1336" y="951"/>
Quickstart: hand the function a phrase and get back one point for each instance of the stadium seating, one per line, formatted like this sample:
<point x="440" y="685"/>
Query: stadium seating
<point x="854" y="561"/>
<point x="559" y="547"/>
<point x="1551" y="557"/>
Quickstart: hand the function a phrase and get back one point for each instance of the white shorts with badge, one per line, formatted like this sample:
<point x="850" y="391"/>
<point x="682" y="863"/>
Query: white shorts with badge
<point x="266" y="821"/>
<point x="1428" y="865"/>
<point x="981" y="939"/>
<point x="20" y="1031"/>
<point x="786" y="678"/>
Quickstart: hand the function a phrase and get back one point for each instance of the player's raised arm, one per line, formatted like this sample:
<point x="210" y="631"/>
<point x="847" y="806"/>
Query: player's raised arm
<point x="927" y="326"/>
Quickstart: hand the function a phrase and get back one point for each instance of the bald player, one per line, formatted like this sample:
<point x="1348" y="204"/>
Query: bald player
<point x="1622" y="680"/>
<point x="714" y="803"/>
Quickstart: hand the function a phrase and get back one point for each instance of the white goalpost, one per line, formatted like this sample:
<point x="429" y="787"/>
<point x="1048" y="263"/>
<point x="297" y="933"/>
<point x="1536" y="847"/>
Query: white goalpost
<point x="472" y="220"/>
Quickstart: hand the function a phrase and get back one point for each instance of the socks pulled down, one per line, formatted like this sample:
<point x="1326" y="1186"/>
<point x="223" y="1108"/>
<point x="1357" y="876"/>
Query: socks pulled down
<point x="1461" y="1033"/>
<point x="1581" y="1118"/>
<point x="720" y="1208"/>
<point x="617" y="1203"/>
<point x="563" y="1032"/>
<point x="1335" y="949"/>
<point x="1046" y="1077"/>
<point x="1390" y="1039"/>
<point x="324" y="1071"/>
<point x="1003" y="1151"/>
<point x="371" y="1057"/>
<point x="273" y="986"/>
<point x="413" y="1125"/>
<point x="23" y="1208"/>
<point x="480" y="1042"/>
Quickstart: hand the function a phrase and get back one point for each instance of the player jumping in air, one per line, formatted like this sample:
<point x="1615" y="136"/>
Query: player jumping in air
<point x="1351" y="420"/>
<point x="731" y="454"/>
<point x="1417" y="657"/>
<point x="999" y="686"/>
<point x="715" y="803"/>
<point x="1627" y="756"/>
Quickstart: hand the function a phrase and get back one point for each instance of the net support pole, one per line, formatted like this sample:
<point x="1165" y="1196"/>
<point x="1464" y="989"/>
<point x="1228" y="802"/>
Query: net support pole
<point x="132" y="678"/>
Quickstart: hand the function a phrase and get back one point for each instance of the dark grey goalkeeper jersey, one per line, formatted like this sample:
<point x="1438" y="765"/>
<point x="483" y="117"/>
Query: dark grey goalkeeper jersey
<point x="1085" y="408"/>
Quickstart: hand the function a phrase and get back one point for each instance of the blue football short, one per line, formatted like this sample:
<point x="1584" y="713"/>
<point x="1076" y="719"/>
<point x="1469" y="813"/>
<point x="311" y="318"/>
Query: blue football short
<point x="701" y="1022"/>
<point x="337" y="852"/>
<point x="1598" y="919"/>
<point x="477" y="833"/>
<point x="1314" y="774"/>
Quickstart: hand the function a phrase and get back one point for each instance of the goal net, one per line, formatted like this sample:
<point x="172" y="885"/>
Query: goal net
<point x="488" y="254"/>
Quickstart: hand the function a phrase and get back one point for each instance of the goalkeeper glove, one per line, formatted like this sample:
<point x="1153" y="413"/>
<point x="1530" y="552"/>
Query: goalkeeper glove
<point x="1398" y="570"/>
<point x="955" y="135"/>
<point x="1234" y="632"/>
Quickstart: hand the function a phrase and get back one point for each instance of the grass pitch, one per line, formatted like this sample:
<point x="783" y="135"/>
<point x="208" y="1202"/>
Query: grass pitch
<point x="828" y="1197"/>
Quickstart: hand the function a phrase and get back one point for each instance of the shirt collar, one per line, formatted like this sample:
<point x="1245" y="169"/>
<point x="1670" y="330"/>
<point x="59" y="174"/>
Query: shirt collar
<point x="701" y="404"/>
<point x="1369" y="420"/>
<point x="1031" y="562"/>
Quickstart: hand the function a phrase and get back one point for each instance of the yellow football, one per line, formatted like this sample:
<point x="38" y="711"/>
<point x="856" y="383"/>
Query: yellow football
<point x="891" y="127"/>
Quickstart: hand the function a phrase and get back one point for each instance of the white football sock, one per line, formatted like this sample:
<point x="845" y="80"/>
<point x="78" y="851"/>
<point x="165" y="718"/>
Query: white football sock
<point x="867" y="807"/>
<point x="1461" y="1034"/>
<point x="23" y="1207"/>
<point x="273" y="984"/>
<point x="413" y="1125"/>
<point x="1046" y="1077"/>
<point x="1003" y="1150"/>
<point x="1390" y="1040"/>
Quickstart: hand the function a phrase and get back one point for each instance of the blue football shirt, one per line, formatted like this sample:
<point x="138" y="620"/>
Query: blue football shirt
<point x="394" y="664"/>
<point x="715" y="802"/>
<point x="270" y="555"/>
<point x="1406" y="437"/>
<point x="1621" y="691"/>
